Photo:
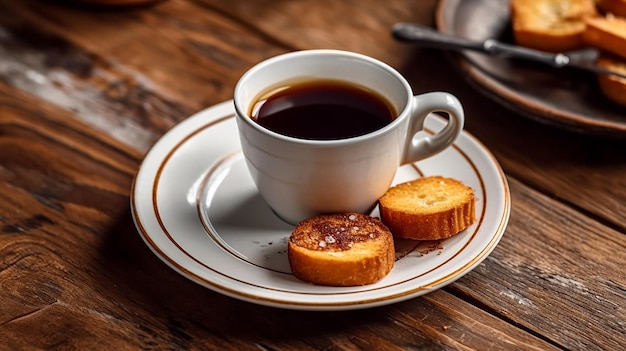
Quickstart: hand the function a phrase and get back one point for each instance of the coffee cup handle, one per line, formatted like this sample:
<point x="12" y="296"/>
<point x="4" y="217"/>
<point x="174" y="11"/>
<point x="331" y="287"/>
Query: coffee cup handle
<point x="421" y="146"/>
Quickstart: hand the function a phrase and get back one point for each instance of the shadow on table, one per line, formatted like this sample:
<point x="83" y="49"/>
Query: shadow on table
<point x="154" y="297"/>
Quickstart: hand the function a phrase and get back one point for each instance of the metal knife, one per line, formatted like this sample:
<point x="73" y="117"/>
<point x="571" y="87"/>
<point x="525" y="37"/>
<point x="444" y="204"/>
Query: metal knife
<point x="581" y="59"/>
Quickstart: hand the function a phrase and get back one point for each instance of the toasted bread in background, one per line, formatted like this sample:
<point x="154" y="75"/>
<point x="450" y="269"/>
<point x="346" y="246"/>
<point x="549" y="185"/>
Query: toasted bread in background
<point x="551" y="25"/>
<point x="348" y="249"/>
<point x="607" y="33"/>
<point x="615" y="7"/>
<point x="612" y="87"/>
<point x="429" y="208"/>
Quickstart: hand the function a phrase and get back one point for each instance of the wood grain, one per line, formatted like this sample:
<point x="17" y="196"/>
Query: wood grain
<point x="67" y="219"/>
<point x="84" y="93"/>
<point x="560" y="270"/>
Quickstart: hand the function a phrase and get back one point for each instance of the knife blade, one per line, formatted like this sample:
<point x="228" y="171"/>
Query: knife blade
<point x="582" y="59"/>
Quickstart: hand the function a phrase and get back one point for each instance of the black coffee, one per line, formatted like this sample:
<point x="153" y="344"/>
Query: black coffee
<point x="322" y="110"/>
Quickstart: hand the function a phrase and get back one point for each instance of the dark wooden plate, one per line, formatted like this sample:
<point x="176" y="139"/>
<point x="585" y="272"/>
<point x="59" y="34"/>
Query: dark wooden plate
<point x="565" y="98"/>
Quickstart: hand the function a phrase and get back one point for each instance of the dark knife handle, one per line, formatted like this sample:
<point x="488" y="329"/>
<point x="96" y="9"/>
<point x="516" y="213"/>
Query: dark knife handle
<point x="427" y="36"/>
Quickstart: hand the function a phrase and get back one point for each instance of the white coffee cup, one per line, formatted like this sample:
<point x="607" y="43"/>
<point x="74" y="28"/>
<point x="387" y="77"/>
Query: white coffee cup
<point x="300" y="178"/>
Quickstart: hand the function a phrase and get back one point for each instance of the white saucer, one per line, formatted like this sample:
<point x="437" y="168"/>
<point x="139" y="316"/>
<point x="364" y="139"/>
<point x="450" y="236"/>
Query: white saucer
<point x="195" y="206"/>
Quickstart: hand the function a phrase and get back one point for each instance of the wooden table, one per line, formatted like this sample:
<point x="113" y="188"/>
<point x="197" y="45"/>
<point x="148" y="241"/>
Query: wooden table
<point x="85" y="92"/>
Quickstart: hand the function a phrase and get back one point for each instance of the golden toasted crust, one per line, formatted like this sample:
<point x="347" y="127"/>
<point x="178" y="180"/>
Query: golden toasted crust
<point x="429" y="208"/>
<point x="615" y="7"/>
<point x="341" y="250"/>
<point x="551" y="25"/>
<point x="613" y="87"/>
<point x="607" y="33"/>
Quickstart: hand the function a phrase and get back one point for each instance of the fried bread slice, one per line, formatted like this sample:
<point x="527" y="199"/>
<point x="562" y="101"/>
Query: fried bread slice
<point x="429" y="208"/>
<point x="345" y="249"/>
<point x="551" y="25"/>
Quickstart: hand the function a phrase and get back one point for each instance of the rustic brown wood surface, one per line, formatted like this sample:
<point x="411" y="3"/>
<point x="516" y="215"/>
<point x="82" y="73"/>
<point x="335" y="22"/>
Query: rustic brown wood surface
<point x="84" y="93"/>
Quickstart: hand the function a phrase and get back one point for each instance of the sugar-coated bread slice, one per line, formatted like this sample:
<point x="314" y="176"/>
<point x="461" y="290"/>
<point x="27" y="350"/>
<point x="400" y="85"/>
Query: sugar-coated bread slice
<point x="429" y="208"/>
<point x="615" y="7"/>
<point x="607" y="33"/>
<point x="551" y="25"/>
<point x="612" y="87"/>
<point x="346" y="249"/>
